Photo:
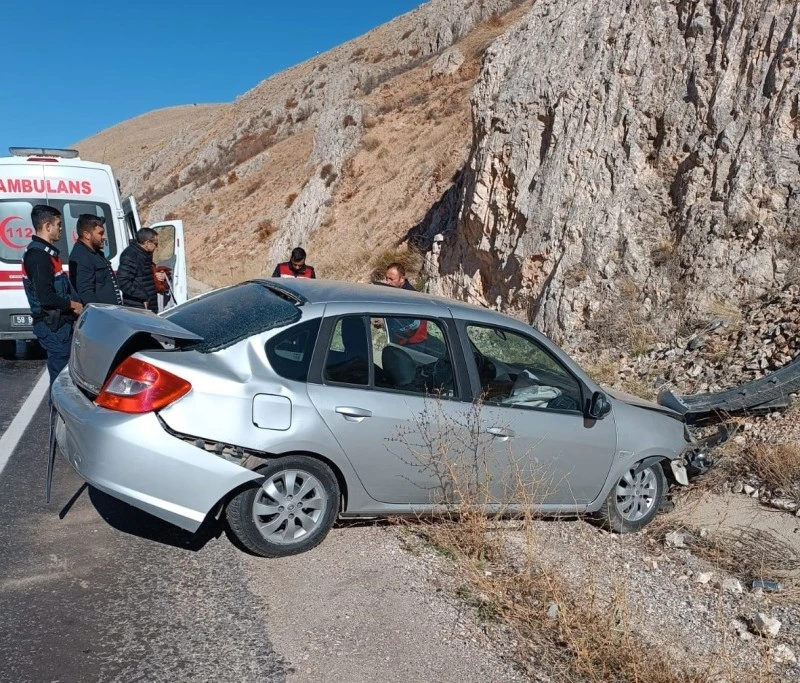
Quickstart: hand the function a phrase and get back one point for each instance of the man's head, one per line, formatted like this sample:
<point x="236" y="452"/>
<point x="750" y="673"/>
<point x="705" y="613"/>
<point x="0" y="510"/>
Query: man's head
<point x="46" y="222"/>
<point x="147" y="238"/>
<point x="91" y="231"/>
<point x="395" y="274"/>
<point x="298" y="259"/>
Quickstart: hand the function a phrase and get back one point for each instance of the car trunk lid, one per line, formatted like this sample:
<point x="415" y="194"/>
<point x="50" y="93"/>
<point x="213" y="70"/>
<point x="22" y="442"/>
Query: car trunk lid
<point x="106" y="335"/>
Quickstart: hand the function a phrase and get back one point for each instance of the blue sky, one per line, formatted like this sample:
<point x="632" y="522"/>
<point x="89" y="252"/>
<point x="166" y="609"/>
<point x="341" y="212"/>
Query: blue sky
<point x="71" y="69"/>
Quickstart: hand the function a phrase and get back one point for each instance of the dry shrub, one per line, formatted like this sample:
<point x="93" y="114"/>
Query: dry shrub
<point x="602" y="369"/>
<point x="378" y="57"/>
<point x="662" y="253"/>
<point x="567" y="630"/>
<point x="218" y="183"/>
<point x="251" y="188"/>
<point x="325" y="171"/>
<point x="370" y="143"/>
<point x="232" y="177"/>
<point x="290" y="200"/>
<point x="349" y="121"/>
<point x="622" y="323"/>
<point x="291" y="103"/>
<point x="208" y="208"/>
<point x="407" y="34"/>
<point x="358" y="53"/>
<point x="370" y="120"/>
<point x="265" y="229"/>
<point x="745" y="551"/>
<point x="495" y="20"/>
<point x="413" y="52"/>
<point x="330" y="180"/>
<point x="303" y="114"/>
<point x="171" y="216"/>
<point x="410" y="260"/>
<point x="776" y="464"/>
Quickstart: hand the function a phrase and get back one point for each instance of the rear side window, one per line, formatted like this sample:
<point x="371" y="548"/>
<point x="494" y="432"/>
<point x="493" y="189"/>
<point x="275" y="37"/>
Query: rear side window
<point x="227" y="316"/>
<point x="16" y="229"/>
<point x="289" y="352"/>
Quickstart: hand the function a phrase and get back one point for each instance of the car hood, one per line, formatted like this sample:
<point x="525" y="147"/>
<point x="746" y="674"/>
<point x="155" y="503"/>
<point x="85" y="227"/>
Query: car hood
<point x="642" y="403"/>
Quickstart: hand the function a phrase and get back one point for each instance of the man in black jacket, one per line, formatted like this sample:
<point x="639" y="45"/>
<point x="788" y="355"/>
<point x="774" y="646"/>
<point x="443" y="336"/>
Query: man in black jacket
<point x="54" y="304"/>
<point x="136" y="275"/>
<point x="89" y="270"/>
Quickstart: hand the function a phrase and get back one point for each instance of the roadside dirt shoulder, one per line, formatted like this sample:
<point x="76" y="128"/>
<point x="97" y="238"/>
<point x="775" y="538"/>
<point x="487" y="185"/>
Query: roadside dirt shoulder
<point x="361" y="608"/>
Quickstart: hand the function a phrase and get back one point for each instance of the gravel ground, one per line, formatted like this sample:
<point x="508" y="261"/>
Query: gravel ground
<point x="361" y="608"/>
<point x="377" y="603"/>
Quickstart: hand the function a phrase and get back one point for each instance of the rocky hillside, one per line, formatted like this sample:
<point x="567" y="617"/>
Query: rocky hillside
<point x="613" y="173"/>
<point x="634" y="166"/>
<point x="343" y="154"/>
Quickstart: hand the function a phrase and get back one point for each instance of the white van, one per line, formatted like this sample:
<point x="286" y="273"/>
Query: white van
<point x="59" y="178"/>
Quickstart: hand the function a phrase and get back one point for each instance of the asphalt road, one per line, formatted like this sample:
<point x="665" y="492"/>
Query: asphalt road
<point x="94" y="590"/>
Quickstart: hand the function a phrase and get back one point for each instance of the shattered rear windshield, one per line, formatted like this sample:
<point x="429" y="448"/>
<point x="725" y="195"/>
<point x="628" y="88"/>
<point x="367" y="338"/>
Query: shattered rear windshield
<point x="229" y="315"/>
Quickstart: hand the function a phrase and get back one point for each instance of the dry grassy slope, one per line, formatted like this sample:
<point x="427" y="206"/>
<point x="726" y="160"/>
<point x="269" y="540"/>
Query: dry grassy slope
<point x="128" y="145"/>
<point x="416" y="135"/>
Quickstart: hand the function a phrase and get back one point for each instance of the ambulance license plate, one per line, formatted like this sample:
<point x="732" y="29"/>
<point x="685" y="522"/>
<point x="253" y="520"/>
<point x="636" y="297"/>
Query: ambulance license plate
<point x="21" y="321"/>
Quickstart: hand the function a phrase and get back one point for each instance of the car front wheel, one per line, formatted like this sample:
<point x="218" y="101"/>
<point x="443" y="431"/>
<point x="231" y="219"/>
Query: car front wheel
<point x="635" y="498"/>
<point x="290" y="512"/>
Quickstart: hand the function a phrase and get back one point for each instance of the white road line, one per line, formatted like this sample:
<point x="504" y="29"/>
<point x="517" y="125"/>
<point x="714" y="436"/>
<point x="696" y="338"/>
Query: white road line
<point x="12" y="435"/>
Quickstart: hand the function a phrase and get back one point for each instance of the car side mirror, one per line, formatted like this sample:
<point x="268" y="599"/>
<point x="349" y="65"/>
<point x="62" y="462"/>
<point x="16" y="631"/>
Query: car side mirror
<point x="599" y="406"/>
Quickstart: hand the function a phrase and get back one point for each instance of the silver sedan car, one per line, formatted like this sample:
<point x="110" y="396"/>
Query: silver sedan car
<point x="285" y="405"/>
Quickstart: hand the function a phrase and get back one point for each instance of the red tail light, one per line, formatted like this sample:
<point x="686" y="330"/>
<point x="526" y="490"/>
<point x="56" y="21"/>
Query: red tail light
<point x="138" y="387"/>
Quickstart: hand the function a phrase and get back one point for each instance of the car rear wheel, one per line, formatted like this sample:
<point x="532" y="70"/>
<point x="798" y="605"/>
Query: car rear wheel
<point x="8" y="348"/>
<point x="635" y="498"/>
<point x="290" y="512"/>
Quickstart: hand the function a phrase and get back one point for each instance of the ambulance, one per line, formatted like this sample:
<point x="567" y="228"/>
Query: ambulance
<point x="60" y="178"/>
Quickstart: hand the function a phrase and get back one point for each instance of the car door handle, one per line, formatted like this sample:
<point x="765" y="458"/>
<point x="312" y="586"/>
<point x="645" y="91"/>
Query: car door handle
<point x="503" y="432"/>
<point x="353" y="412"/>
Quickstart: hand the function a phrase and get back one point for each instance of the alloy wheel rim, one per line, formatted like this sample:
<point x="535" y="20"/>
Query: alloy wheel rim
<point x="636" y="494"/>
<point x="289" y="506"/>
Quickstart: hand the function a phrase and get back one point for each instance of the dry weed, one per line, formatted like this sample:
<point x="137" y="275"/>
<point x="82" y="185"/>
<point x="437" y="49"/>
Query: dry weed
<point x="570" y="632"/>
<point x="776" y="464"/>
<point x="411" y="261"/>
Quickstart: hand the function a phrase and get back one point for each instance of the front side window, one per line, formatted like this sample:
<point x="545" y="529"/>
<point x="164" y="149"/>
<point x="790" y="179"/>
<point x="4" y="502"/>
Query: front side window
<point x="16" y="229"/>
<point x="515" y="370"/>
<point x="411" y="355"/>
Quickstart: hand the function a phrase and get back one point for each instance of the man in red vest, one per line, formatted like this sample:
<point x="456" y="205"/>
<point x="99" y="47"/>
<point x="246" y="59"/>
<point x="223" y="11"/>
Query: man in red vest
<point x="296" y="266"/>
<point x="409" y="332"/>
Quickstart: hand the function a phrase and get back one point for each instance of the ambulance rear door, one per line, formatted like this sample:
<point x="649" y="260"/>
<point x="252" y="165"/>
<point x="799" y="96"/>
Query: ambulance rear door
<point x="171" y="252"/>
<point x="132" y="222"/>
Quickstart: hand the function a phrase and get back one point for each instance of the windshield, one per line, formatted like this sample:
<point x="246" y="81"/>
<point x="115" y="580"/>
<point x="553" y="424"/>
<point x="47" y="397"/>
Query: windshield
<point x="16" y="229"/>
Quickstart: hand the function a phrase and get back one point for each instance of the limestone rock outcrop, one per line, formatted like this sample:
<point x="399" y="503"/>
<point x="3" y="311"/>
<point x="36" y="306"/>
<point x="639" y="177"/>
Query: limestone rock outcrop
<point x="632" y="162"/>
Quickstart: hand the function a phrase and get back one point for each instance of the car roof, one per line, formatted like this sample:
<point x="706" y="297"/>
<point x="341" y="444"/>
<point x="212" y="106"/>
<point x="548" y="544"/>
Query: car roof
<point x="319" y="291"/>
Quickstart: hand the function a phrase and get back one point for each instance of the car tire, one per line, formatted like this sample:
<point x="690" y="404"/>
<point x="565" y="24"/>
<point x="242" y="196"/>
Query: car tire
<point x="290" y="511"/>
<point x="8" y="348"/>
<point x="635" y="498"/>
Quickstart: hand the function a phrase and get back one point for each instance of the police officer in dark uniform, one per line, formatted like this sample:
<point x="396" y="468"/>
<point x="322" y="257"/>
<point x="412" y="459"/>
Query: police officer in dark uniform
<point x="54" y="304"/>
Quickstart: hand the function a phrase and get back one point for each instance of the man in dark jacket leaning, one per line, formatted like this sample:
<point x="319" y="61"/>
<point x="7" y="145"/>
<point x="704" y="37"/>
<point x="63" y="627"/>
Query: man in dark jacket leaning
<point x="136" y="275"/>
<point x="53" y="302"/>
<point x="89" y="270"/>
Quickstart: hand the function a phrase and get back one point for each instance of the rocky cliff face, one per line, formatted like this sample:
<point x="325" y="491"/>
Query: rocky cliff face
<point x="634" y="168"/>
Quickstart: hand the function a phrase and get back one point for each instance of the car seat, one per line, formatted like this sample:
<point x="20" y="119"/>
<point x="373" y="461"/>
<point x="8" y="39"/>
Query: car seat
<point x="399" y="367"/>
